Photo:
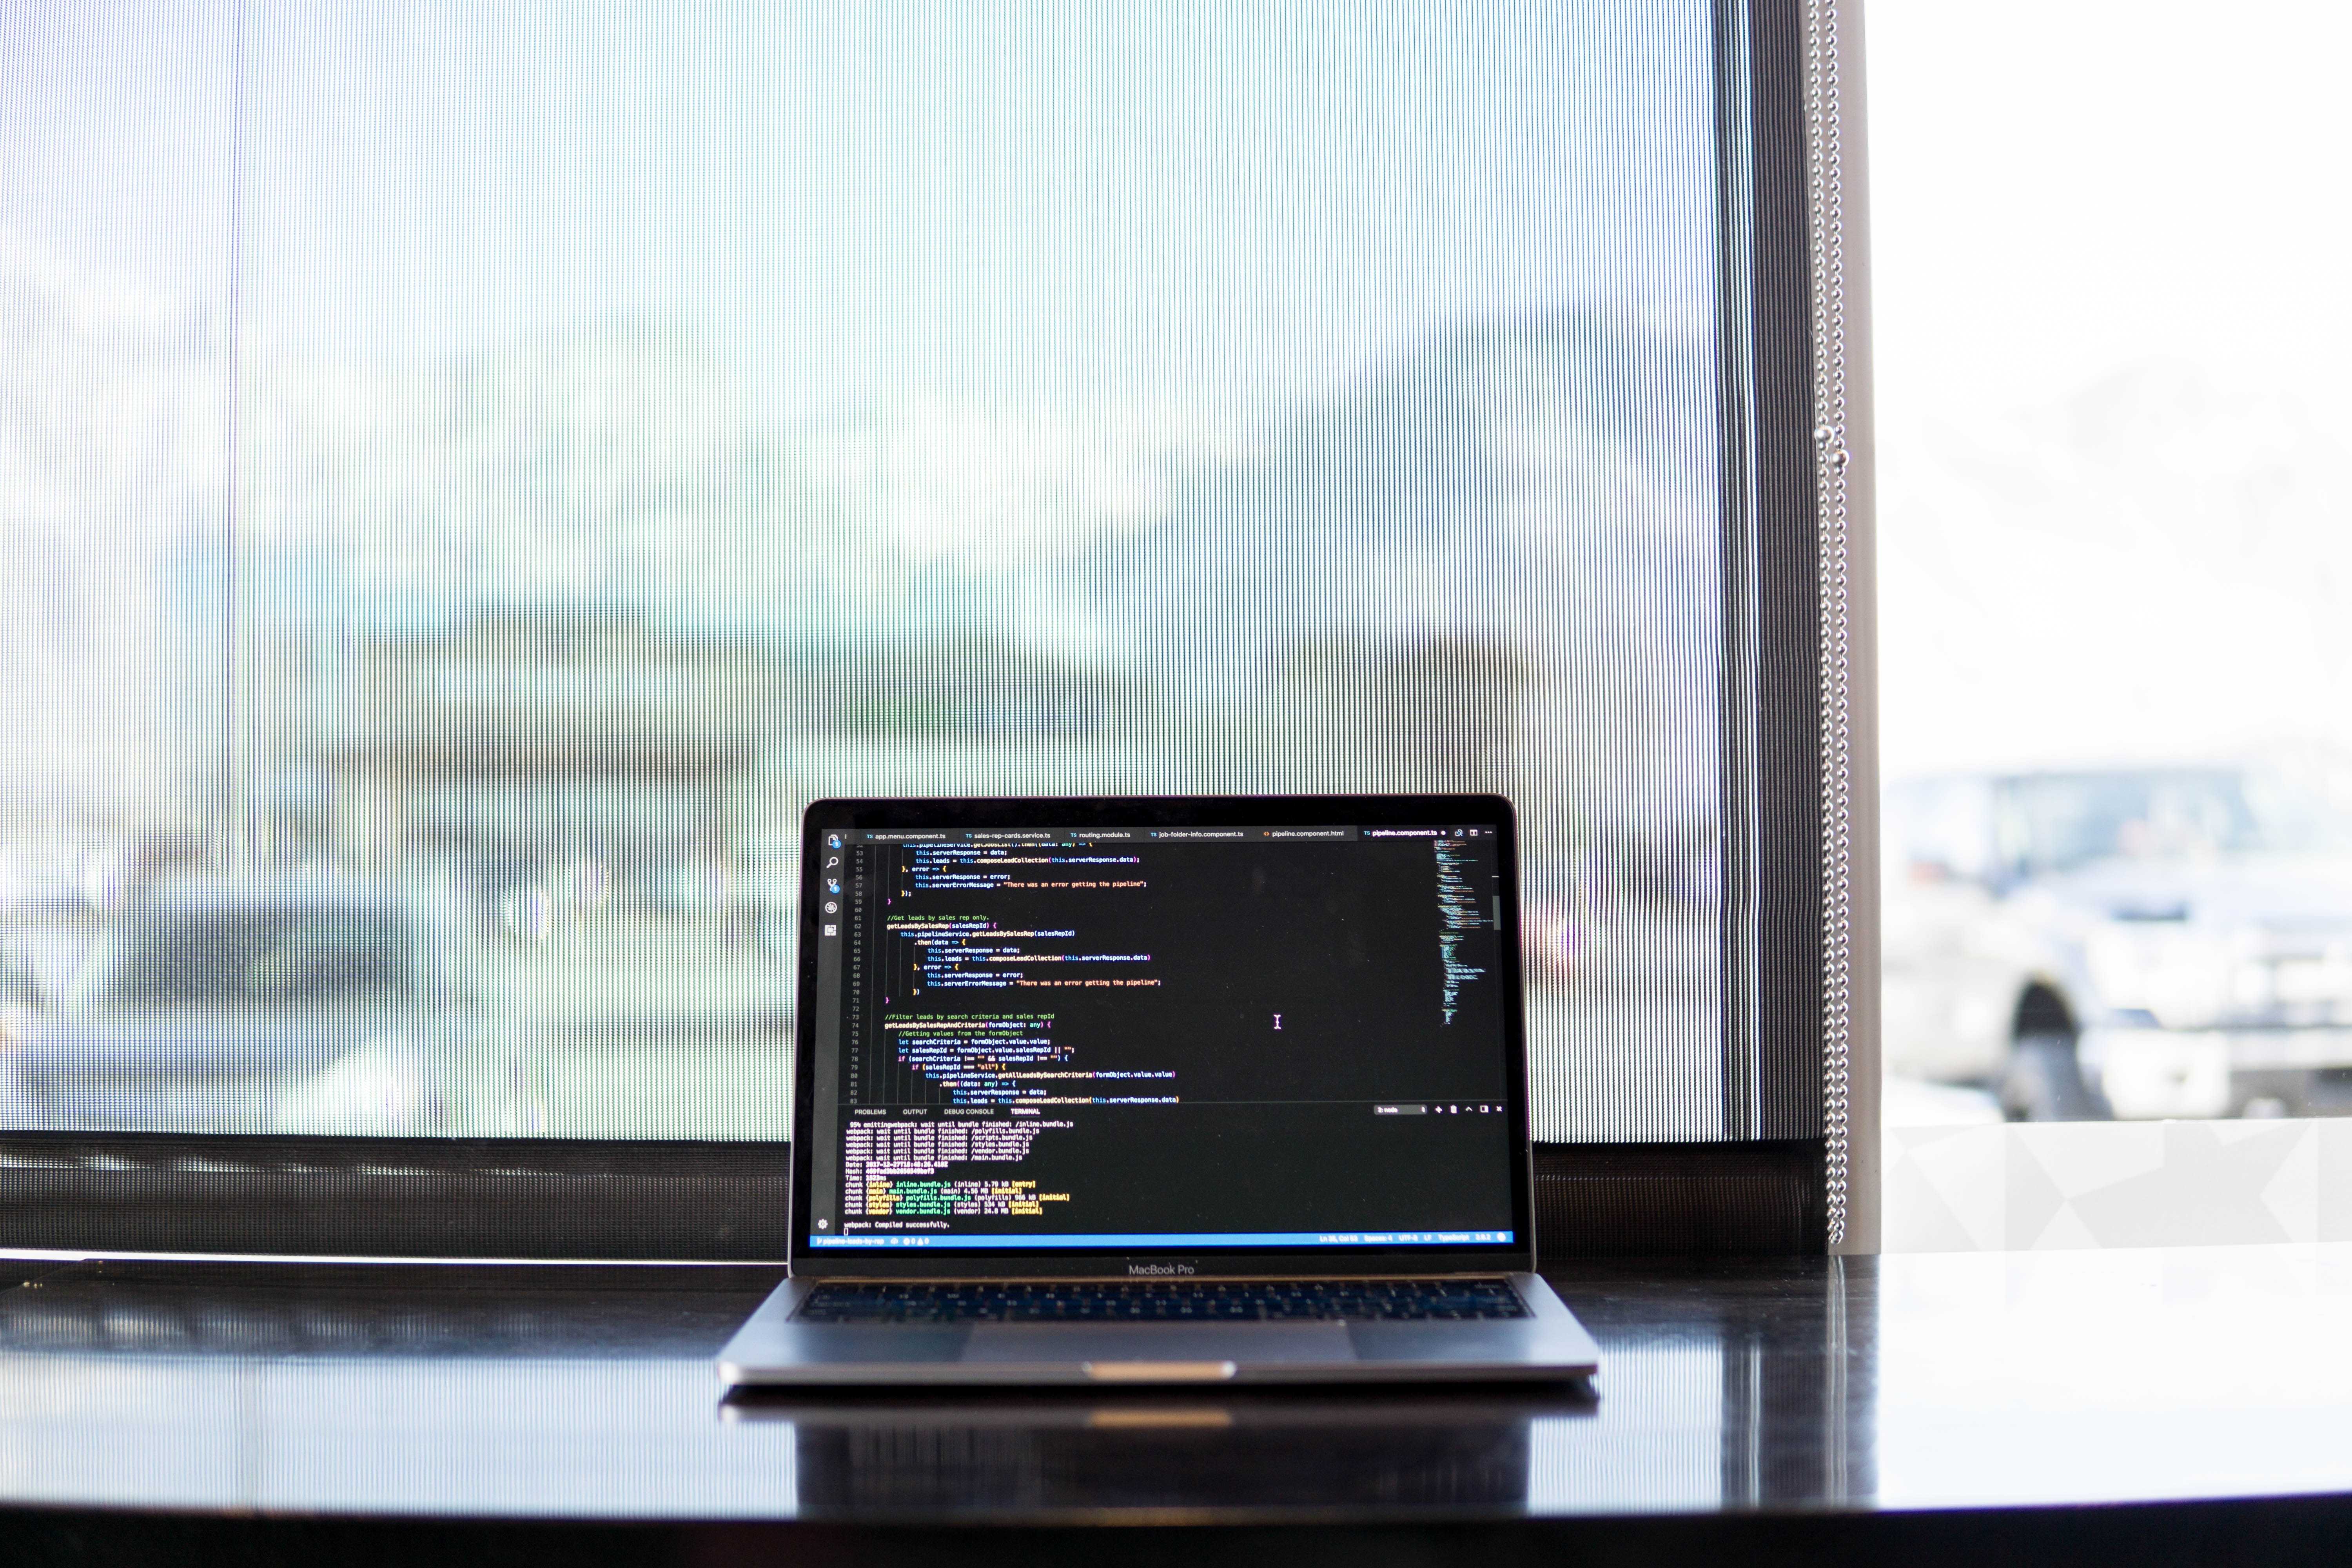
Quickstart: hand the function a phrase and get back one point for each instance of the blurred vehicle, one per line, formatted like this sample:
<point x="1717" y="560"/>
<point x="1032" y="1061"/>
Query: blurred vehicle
<point x="315" y="1006"/>
<point x="1632" y="903"/>
<point x="1551" y="940"/>
<point x="23" y="999"/>
<point x="2134" y="942"/>
<point x="56" y="881"/>
<point x="1556" y="917"/>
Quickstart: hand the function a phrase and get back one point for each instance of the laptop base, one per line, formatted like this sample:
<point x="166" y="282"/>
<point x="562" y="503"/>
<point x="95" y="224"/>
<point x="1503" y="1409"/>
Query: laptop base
<point x="775" y="1349"/>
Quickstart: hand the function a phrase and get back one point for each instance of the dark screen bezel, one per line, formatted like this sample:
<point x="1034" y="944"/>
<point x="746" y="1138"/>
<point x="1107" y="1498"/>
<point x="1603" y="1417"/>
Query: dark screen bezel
<point x="1161" y="811"/>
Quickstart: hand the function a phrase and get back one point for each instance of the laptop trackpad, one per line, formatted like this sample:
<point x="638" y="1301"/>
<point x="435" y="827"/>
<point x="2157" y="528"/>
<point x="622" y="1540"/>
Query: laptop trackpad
<point x="1205" y="1344"/>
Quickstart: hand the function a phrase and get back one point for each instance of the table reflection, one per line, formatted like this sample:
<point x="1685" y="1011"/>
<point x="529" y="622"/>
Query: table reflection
<point x="591" y="1391"/>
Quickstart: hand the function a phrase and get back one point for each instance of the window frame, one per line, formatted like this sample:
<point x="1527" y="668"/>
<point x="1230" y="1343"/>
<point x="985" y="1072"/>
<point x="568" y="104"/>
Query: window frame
<point x="1802" y="1179"/>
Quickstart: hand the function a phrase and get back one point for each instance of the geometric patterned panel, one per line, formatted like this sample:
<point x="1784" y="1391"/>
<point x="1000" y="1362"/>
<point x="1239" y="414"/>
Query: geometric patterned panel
<point x="2059" y="1185"/>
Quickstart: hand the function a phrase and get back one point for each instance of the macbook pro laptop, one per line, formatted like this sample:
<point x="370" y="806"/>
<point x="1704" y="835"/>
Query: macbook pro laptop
<point x="1160" y="1091"/>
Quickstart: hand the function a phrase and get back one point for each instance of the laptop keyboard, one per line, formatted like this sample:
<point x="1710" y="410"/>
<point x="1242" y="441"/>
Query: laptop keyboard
<point x="1186" y="1300"/>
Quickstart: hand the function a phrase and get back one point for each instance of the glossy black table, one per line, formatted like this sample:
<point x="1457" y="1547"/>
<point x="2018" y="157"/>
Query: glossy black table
<point x="1798" y="1401"/>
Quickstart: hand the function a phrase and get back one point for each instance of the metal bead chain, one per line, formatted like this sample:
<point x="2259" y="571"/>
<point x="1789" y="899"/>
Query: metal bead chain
<point x="1827" y="204"/>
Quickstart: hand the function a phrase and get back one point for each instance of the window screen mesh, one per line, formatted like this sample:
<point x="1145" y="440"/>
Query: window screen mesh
<point x="468" y="477"/>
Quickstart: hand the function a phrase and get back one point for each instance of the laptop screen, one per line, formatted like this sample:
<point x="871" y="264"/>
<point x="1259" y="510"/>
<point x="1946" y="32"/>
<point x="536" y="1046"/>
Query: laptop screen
<point x="1162" y="1038"/>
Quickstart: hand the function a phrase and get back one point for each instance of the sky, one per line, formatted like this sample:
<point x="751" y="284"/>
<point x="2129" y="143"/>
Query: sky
<point x="1059" y="208"/>
<point x="2109" y="316"/>
<point x="1008" y="259"/>
<point x="2108" y="241"/>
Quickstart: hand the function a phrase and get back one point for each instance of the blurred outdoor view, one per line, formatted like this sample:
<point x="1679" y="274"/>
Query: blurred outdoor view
<point x="469" y="477"/>
<point x="2116" y="527"/>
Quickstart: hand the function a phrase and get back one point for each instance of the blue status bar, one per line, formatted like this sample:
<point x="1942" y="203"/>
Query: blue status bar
<point x="1161" y="1241"/>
